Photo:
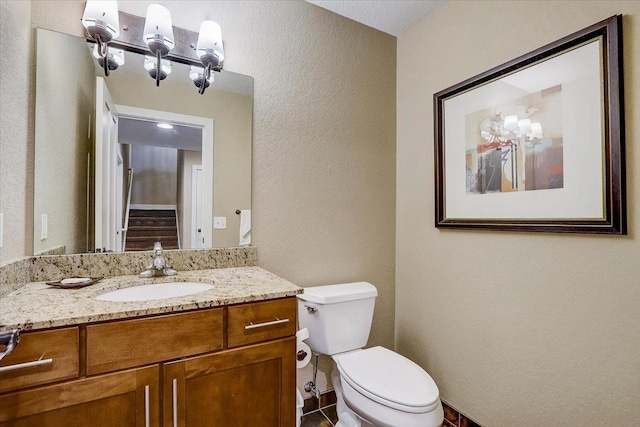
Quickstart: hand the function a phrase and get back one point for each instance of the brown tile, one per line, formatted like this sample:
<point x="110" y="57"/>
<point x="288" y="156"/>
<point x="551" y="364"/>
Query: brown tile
<point x="467" y="422"/>
<point x="315" y="419"/>
<point x="331" y="413"/>
<point x="450" y="414"/>
<point x="328" y="398"/>
<point x="310" y="405"/>
<point x="446" y="423"/>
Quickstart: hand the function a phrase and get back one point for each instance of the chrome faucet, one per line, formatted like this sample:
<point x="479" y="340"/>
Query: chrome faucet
<point x="159" y="266"/>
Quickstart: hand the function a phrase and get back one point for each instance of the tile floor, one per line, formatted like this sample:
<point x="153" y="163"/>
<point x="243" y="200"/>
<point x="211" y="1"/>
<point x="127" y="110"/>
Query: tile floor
<point x="325" y="417"/>
<point x="322" y="413"/>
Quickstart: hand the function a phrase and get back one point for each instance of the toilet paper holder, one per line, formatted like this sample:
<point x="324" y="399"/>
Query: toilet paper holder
<point x="302" y="335"/>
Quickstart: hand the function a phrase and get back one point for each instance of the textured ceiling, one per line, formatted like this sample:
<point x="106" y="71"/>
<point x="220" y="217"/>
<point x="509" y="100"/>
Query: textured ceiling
<point x="143" y="132"/>
<point x="391" y="16"/>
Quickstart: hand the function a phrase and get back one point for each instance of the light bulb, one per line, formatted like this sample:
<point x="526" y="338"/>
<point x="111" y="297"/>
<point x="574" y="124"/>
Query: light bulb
<point x="536" y="130"/>
<point x="209" y="48"/>
<point x="511" y="123"/>
<point x="151" y="63"/>
<point x="115" y="57"/>
<point x="100" y="18"/>
<point x="158" y="32"/>
<point x="524" y="125"/>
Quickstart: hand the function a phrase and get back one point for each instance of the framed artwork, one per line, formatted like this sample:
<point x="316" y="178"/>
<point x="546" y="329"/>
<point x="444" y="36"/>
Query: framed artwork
<point x="537" y="144"/>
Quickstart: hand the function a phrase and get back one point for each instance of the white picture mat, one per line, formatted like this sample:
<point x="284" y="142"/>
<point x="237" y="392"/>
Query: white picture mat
<point x="579" y="71"/>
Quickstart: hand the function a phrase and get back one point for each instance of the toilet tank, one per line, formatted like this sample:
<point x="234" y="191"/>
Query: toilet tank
<point x="338" y="317"/>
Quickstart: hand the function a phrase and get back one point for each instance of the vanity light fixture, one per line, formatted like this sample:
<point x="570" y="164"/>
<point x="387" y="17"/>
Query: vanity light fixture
<point x="151" y="65"/>
<point x="158" y="35"/>
<point x="521" y="127"/>
<point x="210" y="50"/>
<point x="115" y="57"/>
<point x="101" y="20"/>
<point x="203" y="51"/>
<point x="196" y="74"/>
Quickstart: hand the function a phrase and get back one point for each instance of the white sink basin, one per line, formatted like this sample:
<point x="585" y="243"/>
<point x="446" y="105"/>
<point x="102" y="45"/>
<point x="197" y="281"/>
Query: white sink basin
<point x="155" y="292"/>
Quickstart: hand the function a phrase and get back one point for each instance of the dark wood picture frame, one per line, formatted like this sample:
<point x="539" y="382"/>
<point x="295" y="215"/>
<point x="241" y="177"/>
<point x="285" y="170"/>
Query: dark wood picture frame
<point x="484" y="211"/>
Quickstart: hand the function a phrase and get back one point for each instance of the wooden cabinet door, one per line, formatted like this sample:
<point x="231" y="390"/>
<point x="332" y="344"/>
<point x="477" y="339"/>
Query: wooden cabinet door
<point x="123" y="399"/>
<point x="249" y="386"/>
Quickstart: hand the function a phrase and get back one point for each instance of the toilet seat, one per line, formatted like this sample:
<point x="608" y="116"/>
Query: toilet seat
<point x="389" y="379"/>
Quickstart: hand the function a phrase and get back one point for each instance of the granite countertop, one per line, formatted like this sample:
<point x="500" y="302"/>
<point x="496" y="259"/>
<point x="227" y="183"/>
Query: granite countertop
<point x="37" y="305"/>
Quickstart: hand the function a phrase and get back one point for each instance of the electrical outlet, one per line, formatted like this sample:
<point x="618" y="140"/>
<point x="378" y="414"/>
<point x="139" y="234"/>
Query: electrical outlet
<point x="219" y="222"/>
<point x="43" y="227"/>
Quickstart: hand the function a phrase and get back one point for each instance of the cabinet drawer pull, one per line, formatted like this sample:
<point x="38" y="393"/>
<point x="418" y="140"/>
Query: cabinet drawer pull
<point x="174" y="390"/>
<point x="147" y="422"/>
<point x="251" y="325"/>
<point x="39" y="362"/>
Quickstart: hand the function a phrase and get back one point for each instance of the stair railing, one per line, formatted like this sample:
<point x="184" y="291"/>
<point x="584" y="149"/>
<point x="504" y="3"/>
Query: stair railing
<point x="125" y="227"/>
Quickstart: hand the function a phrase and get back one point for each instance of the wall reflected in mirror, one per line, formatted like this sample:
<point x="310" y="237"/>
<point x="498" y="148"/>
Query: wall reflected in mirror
<point x="108" y="178"/>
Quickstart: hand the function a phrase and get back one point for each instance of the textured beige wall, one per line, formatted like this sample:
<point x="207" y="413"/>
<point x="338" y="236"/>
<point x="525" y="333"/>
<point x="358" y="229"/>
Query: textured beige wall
<point x="516" y="329"/>
<point x="323" y="185"/>
<point x="62" y="141"/>
<point x="232" y="166"/>
<point x="16" y="148"/>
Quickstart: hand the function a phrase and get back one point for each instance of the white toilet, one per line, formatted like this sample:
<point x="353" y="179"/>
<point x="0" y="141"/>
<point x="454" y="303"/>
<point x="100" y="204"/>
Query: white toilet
<point x="374" y="386"/>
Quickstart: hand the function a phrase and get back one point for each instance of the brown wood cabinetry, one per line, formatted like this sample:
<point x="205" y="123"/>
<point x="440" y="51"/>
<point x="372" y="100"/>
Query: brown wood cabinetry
<point x="248" y="386"/>
<point x="129" y="343"/>
<point x="230" y="366"/>
<point x="261" y="321"/>
<point x="121" y="399"/>
<point x="56" y="350"/>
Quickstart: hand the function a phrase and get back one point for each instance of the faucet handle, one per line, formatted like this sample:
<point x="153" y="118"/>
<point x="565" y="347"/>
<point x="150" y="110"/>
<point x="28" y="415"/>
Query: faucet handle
<point x="157" y="246"/>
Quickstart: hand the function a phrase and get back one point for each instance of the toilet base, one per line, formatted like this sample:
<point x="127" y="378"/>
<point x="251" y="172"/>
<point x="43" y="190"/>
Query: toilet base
<point x="346" y="417"/>
<point x="349" y="418"/>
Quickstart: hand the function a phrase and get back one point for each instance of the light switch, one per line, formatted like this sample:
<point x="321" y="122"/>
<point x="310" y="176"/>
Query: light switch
<point x="1" y="228"/>
<point x="219" y="222"/>
<point x="43" y="227"/>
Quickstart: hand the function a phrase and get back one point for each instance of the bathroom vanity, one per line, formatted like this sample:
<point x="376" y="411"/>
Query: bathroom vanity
<point x="224" y="357"/>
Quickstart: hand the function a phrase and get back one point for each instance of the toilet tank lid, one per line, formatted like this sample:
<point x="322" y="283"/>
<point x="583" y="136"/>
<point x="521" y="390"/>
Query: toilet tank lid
<point x="331" y="294"/>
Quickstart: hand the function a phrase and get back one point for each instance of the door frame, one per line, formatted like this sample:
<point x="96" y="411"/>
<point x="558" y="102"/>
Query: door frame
<point x="208" y="136"/>
<point x="196" y="242"/>
<point x="119" y="201"/>
<point x="106" y="138"/>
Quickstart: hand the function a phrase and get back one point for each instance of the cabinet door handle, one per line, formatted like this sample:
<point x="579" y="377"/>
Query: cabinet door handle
<point x="174" y="390"/>
<point x="251" y="325"/>
<point x="147" y="422"/>
<point x="39" y="362"/>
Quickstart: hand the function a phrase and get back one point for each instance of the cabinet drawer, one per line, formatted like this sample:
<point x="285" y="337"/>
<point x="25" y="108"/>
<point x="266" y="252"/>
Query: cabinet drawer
<point x="131" y="343"/>
<point x="261" y="321"/>
<point x="57" y="350"/>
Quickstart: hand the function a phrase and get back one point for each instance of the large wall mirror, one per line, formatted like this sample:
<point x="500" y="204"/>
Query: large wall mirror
<point x="120" y="162"/>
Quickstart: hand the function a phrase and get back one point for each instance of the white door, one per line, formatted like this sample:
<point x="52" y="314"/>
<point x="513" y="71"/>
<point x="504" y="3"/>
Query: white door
<point x="119" y="200"/>
<point x="196" y="207"/>
<point x="105" y="181"/>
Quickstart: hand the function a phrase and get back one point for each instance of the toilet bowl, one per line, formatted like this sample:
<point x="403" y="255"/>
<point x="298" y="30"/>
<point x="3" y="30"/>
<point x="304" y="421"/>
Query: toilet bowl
<point x="375" y="386"/>
<point x="385" y="389"/>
